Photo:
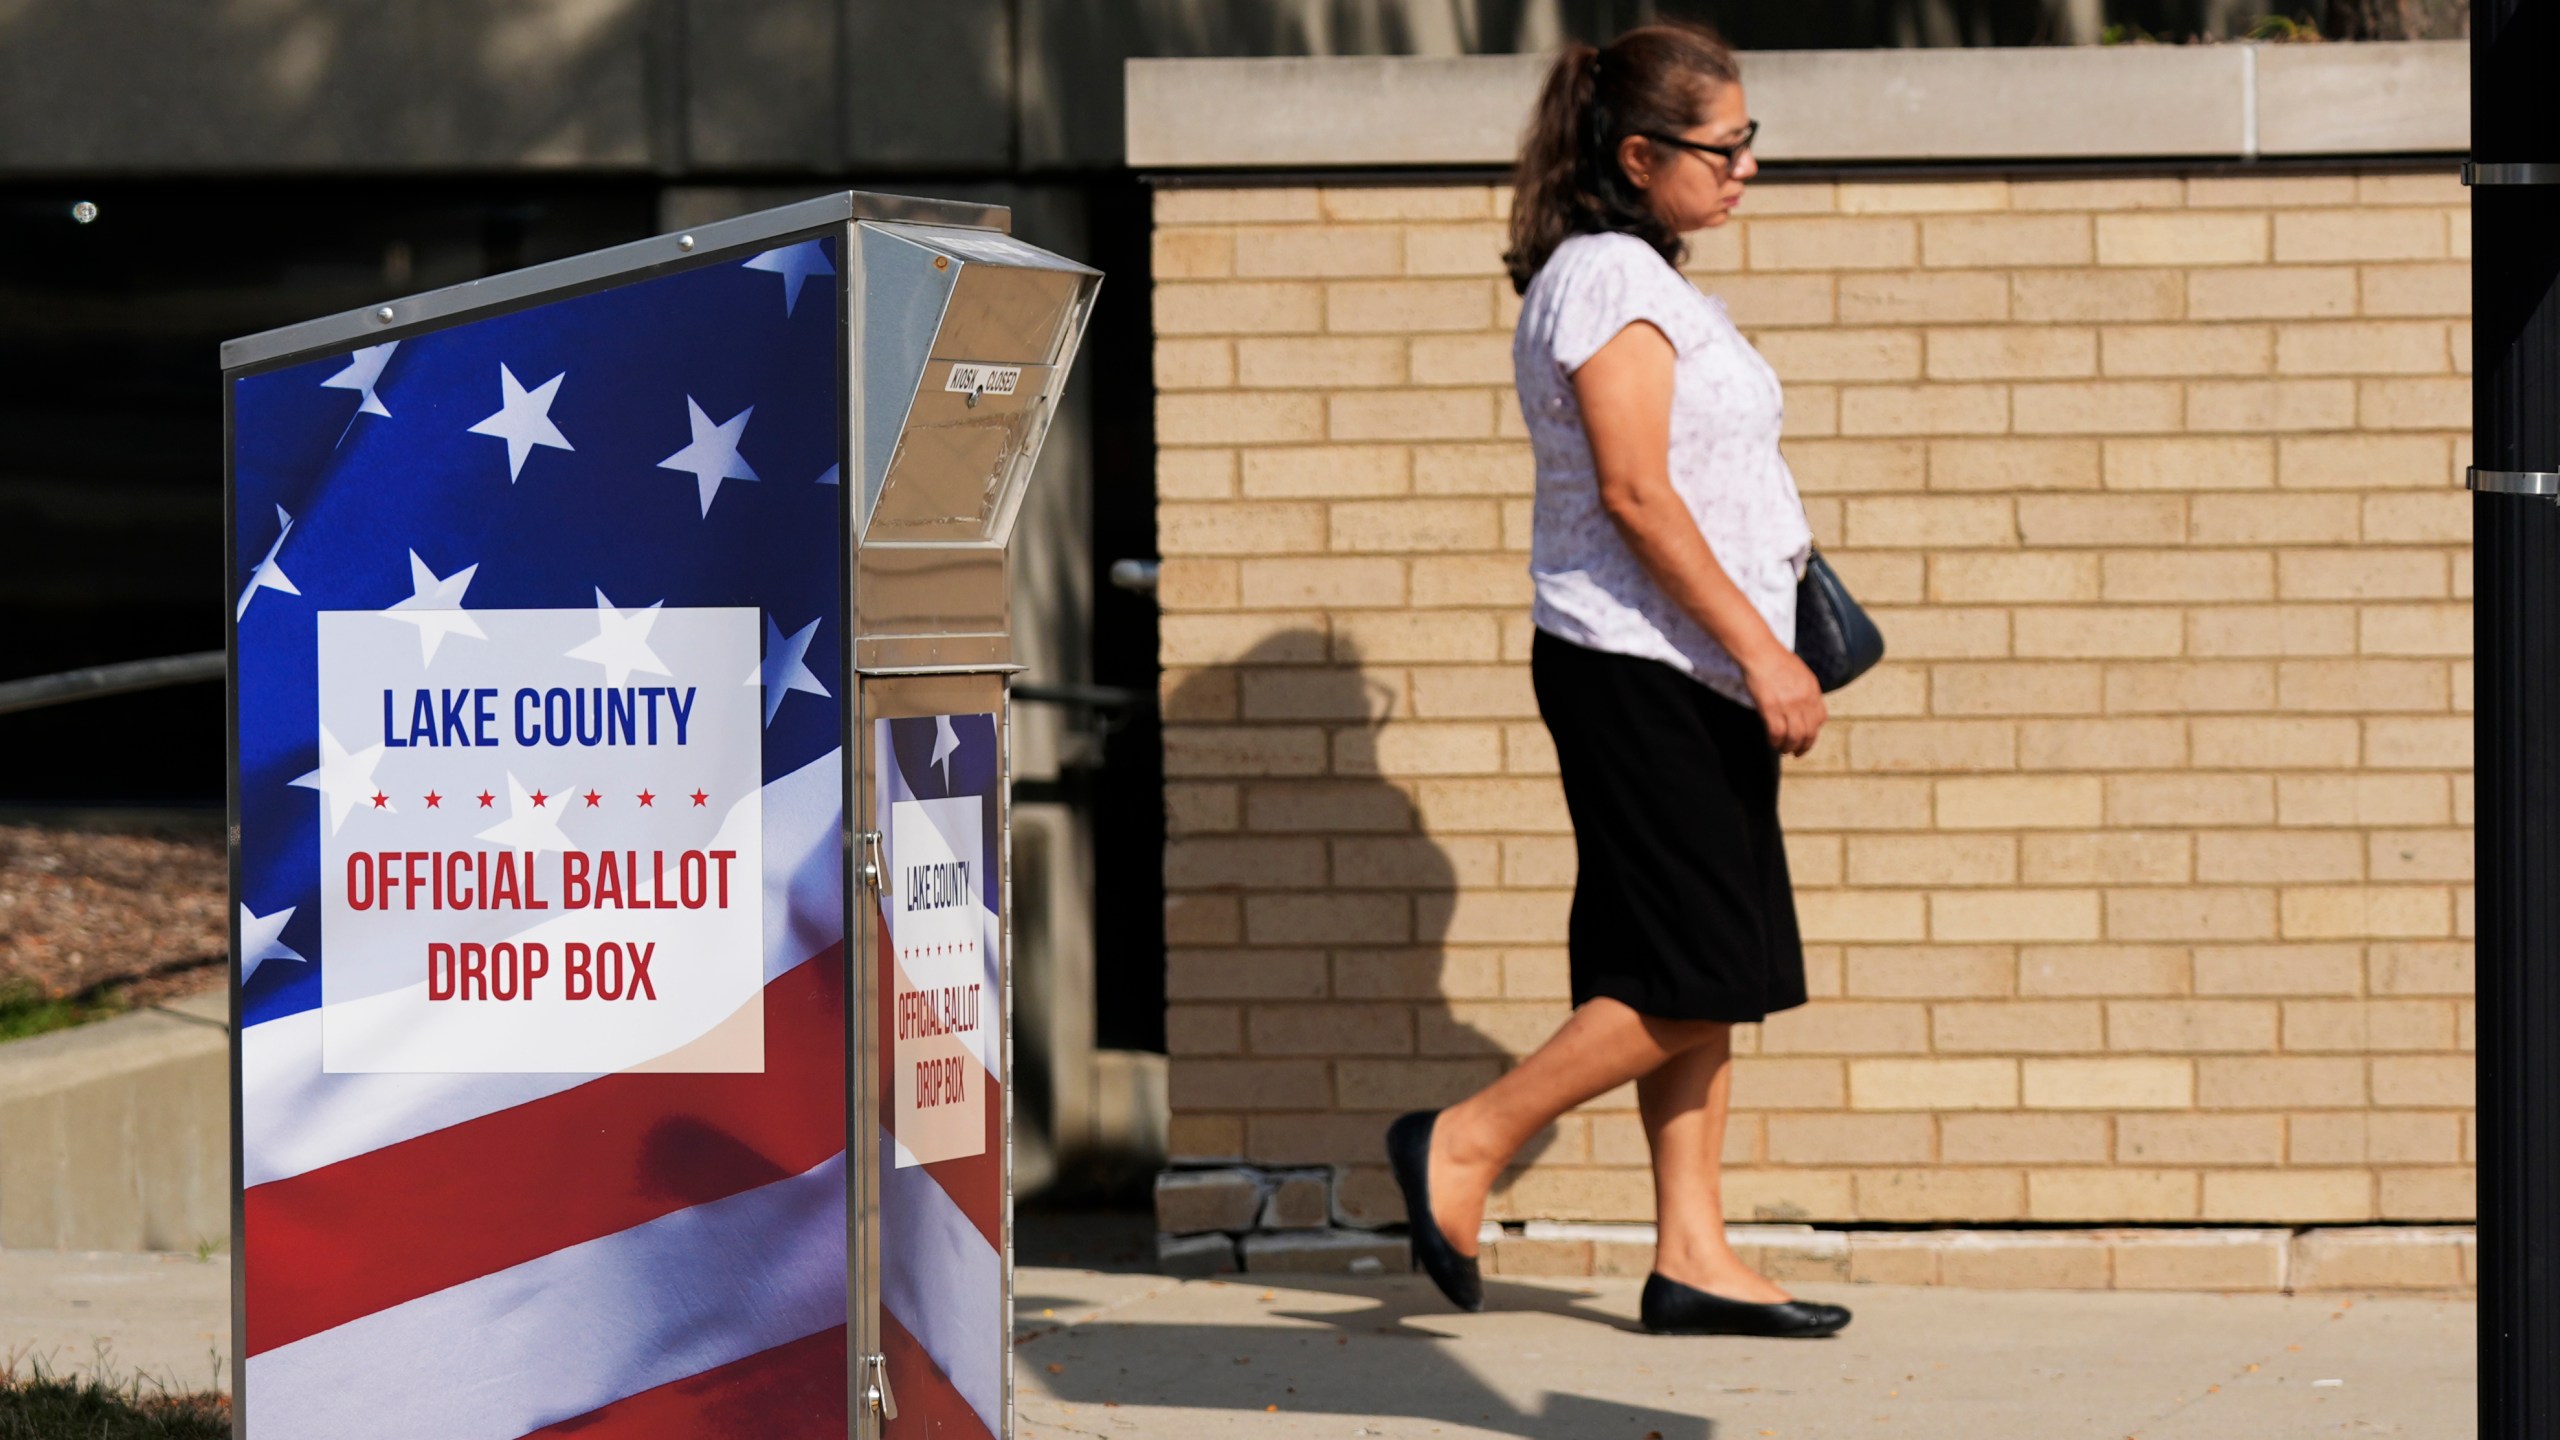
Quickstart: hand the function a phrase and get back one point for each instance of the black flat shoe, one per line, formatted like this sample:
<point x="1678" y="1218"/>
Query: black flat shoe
<point x="1409" y="1156"/>
<point x="1671" y="1308"/>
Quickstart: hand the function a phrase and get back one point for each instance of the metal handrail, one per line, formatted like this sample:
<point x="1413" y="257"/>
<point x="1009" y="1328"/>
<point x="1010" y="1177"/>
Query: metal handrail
<point x="100" y="680"/>
<point x="1086" y="697"/>
<point x="96" y="681"/>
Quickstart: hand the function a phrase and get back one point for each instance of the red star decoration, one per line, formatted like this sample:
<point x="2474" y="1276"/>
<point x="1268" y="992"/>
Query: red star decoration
<point x="381" y="801"/>
<point x="487" y="799"/>
<point x="594" y="799"/>
<point x="700" y="799"/>
<point x="538" y="797"/>
<point x="645" y="798"/>
<point x="434" y="800"/>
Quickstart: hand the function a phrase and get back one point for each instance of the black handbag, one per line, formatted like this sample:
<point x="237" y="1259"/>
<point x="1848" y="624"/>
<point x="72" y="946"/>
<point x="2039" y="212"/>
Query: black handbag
<point x="1834" y="638"/>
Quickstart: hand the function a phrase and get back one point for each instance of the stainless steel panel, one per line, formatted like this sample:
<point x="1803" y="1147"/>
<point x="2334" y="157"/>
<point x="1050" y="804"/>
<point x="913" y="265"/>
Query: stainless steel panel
<point x="954" y="295"/>
<point x="889" y="697"/>
<point x="959" y="454"/>
<point x="399" y="317"/>
<point x="932" y="590"/>
<point x="934" y="654"/>
<point x="1007" y="315"/>
<point x="898" y="303"/>
<point x="978" y="247"/>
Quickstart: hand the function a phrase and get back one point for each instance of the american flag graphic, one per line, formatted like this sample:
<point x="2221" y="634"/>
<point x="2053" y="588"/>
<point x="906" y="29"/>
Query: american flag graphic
<point x="647" y="1249"/>
<point x="940" y="1051"/>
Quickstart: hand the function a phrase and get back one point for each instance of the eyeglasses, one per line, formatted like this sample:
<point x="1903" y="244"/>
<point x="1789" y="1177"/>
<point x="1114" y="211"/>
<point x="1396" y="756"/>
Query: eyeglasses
<point x="1726" y="153"/>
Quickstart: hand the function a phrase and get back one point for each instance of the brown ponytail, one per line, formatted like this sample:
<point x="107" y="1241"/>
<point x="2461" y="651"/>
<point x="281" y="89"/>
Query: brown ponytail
<point x="1657" y="78"/>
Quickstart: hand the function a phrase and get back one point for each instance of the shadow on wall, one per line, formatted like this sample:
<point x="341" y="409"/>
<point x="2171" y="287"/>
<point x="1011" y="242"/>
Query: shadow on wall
<point x="1312" y="995"/>
<point x="129" y="85"/>
<point x="1064" y="44"/>
<point x="820" y="86"/>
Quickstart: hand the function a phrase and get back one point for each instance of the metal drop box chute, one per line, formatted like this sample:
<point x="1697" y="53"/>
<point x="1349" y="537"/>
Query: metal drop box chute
<point x="966" y="337"/>
<point x="619" y="759"/>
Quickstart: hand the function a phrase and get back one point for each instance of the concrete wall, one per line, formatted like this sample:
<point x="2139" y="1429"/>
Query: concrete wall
<point x="117" y="1136"/>
<point x="695" y="87"/>
<point x="2136" y="882"/>
<point x="666" y="86"/>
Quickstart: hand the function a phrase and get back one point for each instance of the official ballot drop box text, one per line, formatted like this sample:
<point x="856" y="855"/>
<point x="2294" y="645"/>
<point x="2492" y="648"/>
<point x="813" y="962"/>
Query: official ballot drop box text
<point x="618" y="805"/>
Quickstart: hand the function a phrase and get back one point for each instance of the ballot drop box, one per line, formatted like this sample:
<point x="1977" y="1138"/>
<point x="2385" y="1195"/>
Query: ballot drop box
<point x="618" y="826"/>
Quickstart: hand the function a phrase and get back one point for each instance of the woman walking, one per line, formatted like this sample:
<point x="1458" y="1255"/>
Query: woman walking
<point x="1667" y="545"/>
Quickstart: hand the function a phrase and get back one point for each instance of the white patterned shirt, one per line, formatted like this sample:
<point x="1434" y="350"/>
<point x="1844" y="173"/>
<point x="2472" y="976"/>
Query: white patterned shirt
<point x="1725" y="413"/>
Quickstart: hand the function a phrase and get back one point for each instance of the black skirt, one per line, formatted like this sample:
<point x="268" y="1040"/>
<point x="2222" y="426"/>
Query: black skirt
<point x="1683" y="909"/>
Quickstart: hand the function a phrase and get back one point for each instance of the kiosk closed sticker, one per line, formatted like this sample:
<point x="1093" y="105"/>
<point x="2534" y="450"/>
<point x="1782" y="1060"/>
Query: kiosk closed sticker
<point x="936" y="897"/>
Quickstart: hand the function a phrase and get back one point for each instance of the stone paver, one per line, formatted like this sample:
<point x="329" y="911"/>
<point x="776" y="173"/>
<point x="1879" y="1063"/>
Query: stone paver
<point x="164" y="1317"/>
<point x="1345" y="1357"/>
<point x="1120" y="1353"/>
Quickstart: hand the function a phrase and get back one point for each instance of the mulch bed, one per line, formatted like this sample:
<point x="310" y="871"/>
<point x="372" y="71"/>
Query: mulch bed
<point x="134" y="916"/>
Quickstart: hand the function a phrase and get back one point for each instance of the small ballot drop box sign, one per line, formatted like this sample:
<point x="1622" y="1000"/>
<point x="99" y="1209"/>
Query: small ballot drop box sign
<point x="618" y="790"/>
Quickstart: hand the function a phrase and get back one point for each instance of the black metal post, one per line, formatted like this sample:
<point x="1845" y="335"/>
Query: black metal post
<point x="2515" y="224"/>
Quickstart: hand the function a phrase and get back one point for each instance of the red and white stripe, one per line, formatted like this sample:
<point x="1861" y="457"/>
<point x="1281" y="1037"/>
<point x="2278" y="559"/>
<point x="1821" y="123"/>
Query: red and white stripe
<point x="575" y="1330"/>
<point x="484" y="1257"/>
<point x="941" y="1283"/>
<point x="943" y="1327"/>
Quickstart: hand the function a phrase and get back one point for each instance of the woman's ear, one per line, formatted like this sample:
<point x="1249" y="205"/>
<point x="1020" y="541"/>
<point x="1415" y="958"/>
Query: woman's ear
<point x="1635" y="156"/>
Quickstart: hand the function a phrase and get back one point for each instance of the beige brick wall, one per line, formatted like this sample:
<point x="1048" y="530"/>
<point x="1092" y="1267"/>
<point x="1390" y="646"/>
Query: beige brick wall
<point x="2136" y="884"/>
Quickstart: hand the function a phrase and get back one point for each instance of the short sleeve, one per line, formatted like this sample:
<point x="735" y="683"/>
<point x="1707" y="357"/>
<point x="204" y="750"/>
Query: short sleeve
<point x="1615" y="281"/>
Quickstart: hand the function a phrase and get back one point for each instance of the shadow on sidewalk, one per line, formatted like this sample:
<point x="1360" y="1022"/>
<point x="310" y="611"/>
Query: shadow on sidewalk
<point x="1359" y="1363"/>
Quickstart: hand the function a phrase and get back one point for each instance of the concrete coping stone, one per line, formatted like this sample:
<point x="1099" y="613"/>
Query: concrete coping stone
<point x="2043" y="103"/>
<point x="1813" y="1237"/>
<point x="1967" y="1239"/>
<point x="2406" y="1234"/>
<point x="1354" y="1252"/>
<point x="2336" y="1259"/>
<point x="64" y="1059"/>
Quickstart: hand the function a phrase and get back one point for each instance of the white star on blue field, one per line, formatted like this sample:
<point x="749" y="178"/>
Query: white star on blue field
<point x="795" y="264"/>
<point x="362" y="375"/>
<point x="786" y="666"/>
<point x="435" y="606"/>
<point x="261" y="940"/>
<point x="521" y="461"/>
<point x="524" y="418"/>
<point x="713" y="456"/>
<point x="270" y="574"/>
<point x="946" y="743"/>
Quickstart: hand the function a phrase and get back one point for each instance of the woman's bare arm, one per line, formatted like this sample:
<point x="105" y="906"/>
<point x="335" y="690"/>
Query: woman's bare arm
<point x="1625" y="392"/>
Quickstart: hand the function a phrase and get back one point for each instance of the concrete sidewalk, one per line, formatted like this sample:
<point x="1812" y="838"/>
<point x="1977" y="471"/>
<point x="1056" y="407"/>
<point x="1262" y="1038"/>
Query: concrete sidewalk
<point x="164" y="1317"/>
<point x="1140" y="1356"/>
<point x="1117" y="1352"/>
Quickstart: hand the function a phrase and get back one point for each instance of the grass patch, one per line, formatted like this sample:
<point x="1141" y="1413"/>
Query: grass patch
<point x="26" y="1010"/>
<point x="40" y="1406"/>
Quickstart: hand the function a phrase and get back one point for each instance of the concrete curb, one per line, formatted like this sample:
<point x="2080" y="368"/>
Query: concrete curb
<point x="1224" y="1218"/>
<point x="117" y="1136"/>
<point x="2356" y="1260"/>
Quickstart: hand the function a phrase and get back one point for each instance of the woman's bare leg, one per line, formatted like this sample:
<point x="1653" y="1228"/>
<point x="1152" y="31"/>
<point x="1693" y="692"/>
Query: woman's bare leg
<point x="1684" y="1103"/>
<point x="1602" y="1046"/>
